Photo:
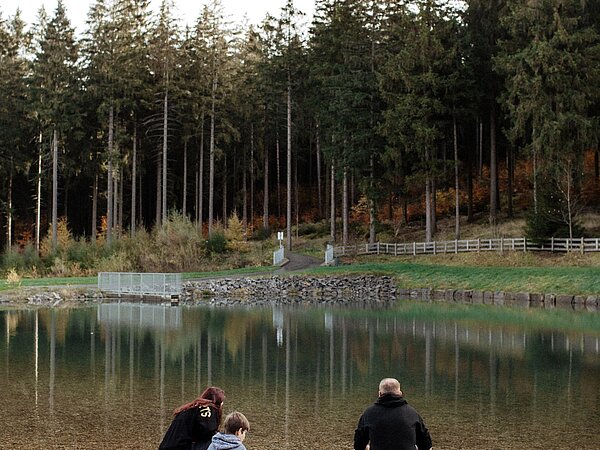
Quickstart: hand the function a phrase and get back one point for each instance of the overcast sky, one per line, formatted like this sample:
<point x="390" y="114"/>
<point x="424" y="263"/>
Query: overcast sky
<point x="187" y="10"/>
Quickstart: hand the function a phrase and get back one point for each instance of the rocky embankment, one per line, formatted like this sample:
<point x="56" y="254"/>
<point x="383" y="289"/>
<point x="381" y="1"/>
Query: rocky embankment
<point x="291" y="289"/>
<point x="308" y="289"/>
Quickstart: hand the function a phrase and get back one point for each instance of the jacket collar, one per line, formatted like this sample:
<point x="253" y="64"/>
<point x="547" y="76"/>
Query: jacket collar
<point x="391" y="400"/>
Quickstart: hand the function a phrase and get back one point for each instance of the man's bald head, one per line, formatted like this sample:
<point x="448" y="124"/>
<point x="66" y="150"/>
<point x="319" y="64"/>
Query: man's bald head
<point x="389" y="386"/>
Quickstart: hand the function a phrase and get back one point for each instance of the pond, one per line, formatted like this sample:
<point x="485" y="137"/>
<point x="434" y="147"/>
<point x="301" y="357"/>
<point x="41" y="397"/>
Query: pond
<point x="482" y="377"/>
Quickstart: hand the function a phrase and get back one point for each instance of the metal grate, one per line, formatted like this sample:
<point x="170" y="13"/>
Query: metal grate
<point x="164" y="284"/>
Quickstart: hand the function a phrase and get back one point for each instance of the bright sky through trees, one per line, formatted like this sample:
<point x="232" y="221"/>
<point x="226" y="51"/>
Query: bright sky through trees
<point x="187" y="10"/>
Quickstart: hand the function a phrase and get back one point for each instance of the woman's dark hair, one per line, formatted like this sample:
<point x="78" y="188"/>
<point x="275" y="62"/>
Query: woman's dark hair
<point x="212" y="396"/>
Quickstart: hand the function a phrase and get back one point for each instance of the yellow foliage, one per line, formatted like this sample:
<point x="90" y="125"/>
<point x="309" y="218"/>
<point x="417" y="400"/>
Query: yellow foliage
<point x="64" y="238"/>
<point x="235" y="233"/>
<point x="13" y="277"/>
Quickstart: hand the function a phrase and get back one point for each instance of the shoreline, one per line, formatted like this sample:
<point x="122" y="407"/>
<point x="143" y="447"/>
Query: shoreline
<point x="294" y="289"/>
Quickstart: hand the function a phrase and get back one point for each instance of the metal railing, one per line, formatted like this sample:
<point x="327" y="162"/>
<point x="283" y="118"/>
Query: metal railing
<point x="162" y="284"/>
<point x="564" y="245"/>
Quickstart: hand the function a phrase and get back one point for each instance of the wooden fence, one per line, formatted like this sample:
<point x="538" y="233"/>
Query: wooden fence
<point x="580" y="245"/>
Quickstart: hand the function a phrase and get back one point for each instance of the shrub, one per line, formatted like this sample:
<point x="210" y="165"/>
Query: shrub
<point x="59" y="268"/>
<point x="549" y="219"/>
<point x="13" y="278"/>
<point x="235" y="234"/>
<point x="117" y="262"/>
<point x="13" y="260"/>
<point x="261" y="234"/>
<point x="31" y="259"/>
<point x="216" y="242"/>
<point x="63" y="239"/>
<point x="84" y="253"/>
<point x="313" y="229"/>
<point x="175" y="246"/>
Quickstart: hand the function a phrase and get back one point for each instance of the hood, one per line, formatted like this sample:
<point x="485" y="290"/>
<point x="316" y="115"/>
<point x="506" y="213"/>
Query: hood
<point x="222" y="441"/>
<point x="391" y="400"/>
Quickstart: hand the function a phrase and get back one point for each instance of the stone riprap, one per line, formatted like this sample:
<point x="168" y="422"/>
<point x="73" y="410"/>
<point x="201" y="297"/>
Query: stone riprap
<point x="319" y="290"/>
<point x="291" y="289"/>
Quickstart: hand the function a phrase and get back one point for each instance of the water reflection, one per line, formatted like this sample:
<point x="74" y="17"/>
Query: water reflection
<point x="109" y="376"/>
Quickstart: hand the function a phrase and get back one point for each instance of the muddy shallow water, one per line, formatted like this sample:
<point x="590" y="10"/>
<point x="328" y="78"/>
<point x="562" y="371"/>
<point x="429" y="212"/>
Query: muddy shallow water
<point x="108" y="376"/>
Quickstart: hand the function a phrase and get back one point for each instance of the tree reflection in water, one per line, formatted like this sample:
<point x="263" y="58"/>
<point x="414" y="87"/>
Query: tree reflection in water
<point x="109" y="376"/>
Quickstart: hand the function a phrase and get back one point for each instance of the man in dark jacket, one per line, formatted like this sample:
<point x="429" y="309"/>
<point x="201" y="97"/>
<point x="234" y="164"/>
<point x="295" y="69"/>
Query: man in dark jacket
<point x="391" y="423"/>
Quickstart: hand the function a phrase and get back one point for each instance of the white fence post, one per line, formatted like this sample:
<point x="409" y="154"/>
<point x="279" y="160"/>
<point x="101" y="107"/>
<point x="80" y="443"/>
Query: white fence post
<point x="329" y="254"/>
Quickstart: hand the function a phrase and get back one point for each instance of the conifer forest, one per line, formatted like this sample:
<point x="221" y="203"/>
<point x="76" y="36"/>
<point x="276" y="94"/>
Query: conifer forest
<point x="373" y="112"/>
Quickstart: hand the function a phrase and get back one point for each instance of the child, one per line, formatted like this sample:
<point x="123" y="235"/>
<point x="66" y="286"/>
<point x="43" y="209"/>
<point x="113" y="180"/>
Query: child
<point x="234" y="432"/>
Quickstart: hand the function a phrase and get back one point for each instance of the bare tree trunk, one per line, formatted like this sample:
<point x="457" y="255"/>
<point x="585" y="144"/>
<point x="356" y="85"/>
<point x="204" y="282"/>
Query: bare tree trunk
<point x="332" y="198"/>
<point x="480" y="146"/>
<point x="121" y="189"/>
<point x="433" y="206"/>
<point x="428" y="208"/>
<point x="320" y="195"/>
<point x="245" y="197"/>
<point x="134" y="182"/>
<point x="428" y="205"/>
<point x="535" y="173"/>
<point x="38" y="208"/>
<point x="469" y="189"/>
<point x="345" y="201"/>
<point x="140" y="211"/>
<point x="289" y="163"/>
<point x="327" y="199"/>
<point x="225" y="192"/>
<point x="372" y="217"/>
<point x="456" y="184"/>
<point x="54" y="188"/>
<point x="9" y="208"/>
<point x="211" y="173"/>
<point x="165" y="156"/>
<point x="185" y="162"/>
<point x="266" y="189"/>
<point x="158" y="192"/>
<point x="296" y="196"/>
<point x="116" y="201"/>
<point x="196" y="181"/>
<point x="251" y="173"/>
<point x="95" y="208"/>
<point x="569" y="181"/>
<point x="278" y="157"/>
<point x="511" y="174"/>
<point x="201" y="175"/>
<point x="109" y="195"/>
<point x="493" y="168"/>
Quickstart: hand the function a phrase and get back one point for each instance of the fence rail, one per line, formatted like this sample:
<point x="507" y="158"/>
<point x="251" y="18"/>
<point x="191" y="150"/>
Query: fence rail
<point x="162" y="284"/>
<point x="564" y="245"/>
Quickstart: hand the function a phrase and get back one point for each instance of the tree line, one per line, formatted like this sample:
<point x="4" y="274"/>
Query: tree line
<point x="377" y="109"/>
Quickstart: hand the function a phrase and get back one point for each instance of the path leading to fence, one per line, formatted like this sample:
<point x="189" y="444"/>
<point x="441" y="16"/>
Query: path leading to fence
<point x="299" y="262"/>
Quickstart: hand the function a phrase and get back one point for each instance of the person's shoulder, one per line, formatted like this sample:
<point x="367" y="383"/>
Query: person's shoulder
<point x="206" y="411"/>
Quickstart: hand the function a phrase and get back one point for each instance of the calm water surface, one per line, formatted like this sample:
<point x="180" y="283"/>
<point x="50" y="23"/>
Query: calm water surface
<point x="108" y="377"/>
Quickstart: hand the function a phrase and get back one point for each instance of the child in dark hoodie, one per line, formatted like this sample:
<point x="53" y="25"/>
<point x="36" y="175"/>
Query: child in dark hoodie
<point x="234" y="432"/>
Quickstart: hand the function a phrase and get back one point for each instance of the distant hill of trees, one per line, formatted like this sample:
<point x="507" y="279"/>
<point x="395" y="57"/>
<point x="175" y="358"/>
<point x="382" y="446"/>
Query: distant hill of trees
<point x="381" y="110"/>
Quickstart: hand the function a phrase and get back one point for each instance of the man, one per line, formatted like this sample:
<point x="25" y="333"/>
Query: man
<point x="391" y="423"/>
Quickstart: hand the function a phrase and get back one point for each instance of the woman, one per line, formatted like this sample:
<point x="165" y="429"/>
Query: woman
<point x="196" y="422"/>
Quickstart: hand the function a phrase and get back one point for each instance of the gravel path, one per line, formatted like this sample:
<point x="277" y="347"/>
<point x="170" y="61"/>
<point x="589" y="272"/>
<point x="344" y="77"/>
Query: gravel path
<point x="299" y="262"/>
